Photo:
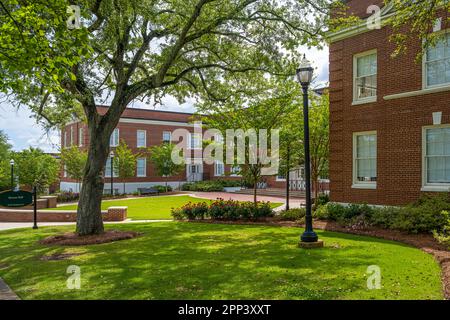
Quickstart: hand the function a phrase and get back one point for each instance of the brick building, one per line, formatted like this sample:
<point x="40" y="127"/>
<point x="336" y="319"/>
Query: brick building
<point x="141" y="129"/>
<point x="390" y="117"/>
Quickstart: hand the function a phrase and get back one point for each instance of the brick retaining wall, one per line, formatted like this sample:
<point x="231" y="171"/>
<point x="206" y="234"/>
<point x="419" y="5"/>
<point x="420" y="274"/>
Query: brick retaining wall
<point x="15" y="215"/>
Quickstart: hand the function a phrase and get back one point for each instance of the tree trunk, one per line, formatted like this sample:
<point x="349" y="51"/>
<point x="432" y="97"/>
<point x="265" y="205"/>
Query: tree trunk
<point x="124" y="188"/>
<point x="89" y="214"/>
<point x="166" y="184"/>
<point x="255" y="191"/>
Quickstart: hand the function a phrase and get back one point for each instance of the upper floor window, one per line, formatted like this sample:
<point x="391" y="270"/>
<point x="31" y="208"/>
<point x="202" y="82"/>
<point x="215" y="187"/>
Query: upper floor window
<point x="71" y="135"/>
<point x="80" y="137"/>
<point x="437" y="157"/>
<point x="437" y="63"/>
<point x="141" y="138"/>
<point x="114" y="140"/>
<point x="365" y="77"/>
<point x="365" y="159"/>
<point x="195" y="141"/>
<point x="167" y="136"/>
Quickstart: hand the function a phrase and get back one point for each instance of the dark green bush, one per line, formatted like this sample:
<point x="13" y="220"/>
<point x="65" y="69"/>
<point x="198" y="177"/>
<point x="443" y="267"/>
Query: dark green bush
<point x="293" y="214"/>
<point x="223" y="210"/>
<point x="162" y="189"/>
<point x="322" y="199"/>
<point x="210" y="186"/>
<point x="67" y="197"/>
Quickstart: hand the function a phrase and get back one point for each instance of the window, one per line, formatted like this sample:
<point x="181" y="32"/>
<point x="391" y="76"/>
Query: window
<point x="71" y="135"/>
<point x="141" y="167"/>
<point x="65" y="139"/>
<point x="195" y="141"/>
<point x="437" y="63"/>
<point x="80" y="137"/>
<point x="141" y="138"/>
<point x="65" y="171"/>
<point x="108" y="169"/>
<point x="167" y="136"/>
<point x="365" y="159"/>
<point x="219" y="168"/>
<point x="365" y="77"/>
<point x="437" y="157"/>
<point x="114" y="140"/>
<point x="235" y="171"/>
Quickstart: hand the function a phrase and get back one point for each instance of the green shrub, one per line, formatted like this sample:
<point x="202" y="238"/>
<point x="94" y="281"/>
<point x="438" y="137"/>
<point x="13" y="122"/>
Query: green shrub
<point x="210" y="186"/>
<point x="322" y="199"/>
<point x="293" y="214"/>
<point x="162" y="189"/>
<point x="443" y="236"/>
<point x="223" y="210"/>
<point x="321" y="212"/>
<point x="67" y="197"/>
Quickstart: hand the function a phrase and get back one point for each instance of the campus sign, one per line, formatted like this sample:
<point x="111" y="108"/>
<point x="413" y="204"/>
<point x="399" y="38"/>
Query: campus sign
<point x="16" y="198"/>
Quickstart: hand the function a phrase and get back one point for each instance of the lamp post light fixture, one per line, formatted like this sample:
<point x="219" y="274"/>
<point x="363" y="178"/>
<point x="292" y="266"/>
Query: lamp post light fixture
<point x="304" y="76"/>
<point x="12" y="173"/>
<point x="111" y="156"/>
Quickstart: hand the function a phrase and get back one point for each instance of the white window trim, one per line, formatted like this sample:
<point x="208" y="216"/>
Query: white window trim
<point x="357" y="101"/>
<point x="355" y="183"/>
<point x="65" y="139"/>
<point x="71" y="135"/>
<point x="113" y="144"/>
<point x="170" y="136"/>
<point x="425" y="85"/>
<point x="145" y="168"/>
<point x="189" y="147"/>
<point x="80" y="137"/>
<point x="216" y="163"/>
<point x="431" y="187"/>
<point x="137" y="138"/>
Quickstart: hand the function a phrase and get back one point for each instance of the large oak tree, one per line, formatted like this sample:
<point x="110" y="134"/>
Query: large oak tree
<point x="144" y="49"/>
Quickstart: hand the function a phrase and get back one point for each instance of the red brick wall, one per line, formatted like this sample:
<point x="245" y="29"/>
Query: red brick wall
<point x="10" y="215"/>
<point x="398" y="122"/>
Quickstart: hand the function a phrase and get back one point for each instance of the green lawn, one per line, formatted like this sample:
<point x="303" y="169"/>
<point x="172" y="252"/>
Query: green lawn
<point x="151" y="208"/>
<point x="176" y="260"/>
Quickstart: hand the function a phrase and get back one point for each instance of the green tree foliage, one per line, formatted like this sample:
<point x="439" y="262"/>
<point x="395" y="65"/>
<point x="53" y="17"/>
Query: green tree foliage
<point x="125" y="162"/>
<point x="35" y="168"/>
<point x="161" y="157"/>
<point x="211" y="50"/>
<point x="5" y="152"/>
<point x="74" y="160"/>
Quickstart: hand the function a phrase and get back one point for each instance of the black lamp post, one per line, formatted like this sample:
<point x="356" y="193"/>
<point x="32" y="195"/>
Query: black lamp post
<point x="304" y="76"/>
<point x="111" y="155"/>
<point x="12" y="173"/>
<point x="288" y="168"/>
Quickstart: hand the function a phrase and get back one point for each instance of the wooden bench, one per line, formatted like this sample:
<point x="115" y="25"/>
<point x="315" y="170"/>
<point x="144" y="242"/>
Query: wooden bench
<point x="147" y="191"/>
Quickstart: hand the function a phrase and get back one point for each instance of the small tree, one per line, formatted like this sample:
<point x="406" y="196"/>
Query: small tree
<point x="74" y="161"/>
<point x="125" y="162"/>
<point x="5" y="153"/>
<point x="161" y="157"/>
<point x="36" y="169"/>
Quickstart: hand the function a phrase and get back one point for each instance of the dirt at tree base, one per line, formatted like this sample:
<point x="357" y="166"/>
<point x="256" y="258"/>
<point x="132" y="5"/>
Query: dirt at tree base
<point x="73" y="239"/>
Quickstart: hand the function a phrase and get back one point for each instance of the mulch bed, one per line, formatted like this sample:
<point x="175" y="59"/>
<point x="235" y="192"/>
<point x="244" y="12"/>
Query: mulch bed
<point x="425" y="242"/>
<point x="73" y="239"/>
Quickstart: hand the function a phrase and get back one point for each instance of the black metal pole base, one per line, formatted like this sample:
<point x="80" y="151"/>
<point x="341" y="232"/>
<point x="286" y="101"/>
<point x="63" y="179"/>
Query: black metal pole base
<point x="35" y="227"/>
<point x="309" y="236"/>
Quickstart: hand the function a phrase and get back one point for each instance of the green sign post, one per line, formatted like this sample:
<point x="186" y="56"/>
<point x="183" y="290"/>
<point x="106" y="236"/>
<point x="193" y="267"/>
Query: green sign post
<point x="17" y="199"/>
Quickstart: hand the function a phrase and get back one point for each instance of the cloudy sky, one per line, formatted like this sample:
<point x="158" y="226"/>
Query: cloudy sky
<point x="23" y="132"/>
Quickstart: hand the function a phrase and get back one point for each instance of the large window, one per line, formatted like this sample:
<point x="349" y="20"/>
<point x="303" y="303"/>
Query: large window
<point x="114" y="140"/>
<point x="219" y="169"/>
<point x="108" y="169"/>
<point x="437" y="156"/>
<point x="365" y="77"/>
<point x="71" y="135"/>
<point x="437" y="63"/>
<point x="195" y="141"/>
<point x="141" y="167"/>
<point x="141" y="139"/>
<point x="365" y="159"/>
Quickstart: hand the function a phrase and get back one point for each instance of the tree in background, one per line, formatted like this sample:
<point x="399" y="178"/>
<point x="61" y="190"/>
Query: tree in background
<point x="266" y="110"/>
<point x="74" y="160"/>
<point x="125" y="162"/>
<point x="36" y="169"/>
<point x="161" y="157"/>
<point x="5" y="154"/>
<point x="136" y="49"/>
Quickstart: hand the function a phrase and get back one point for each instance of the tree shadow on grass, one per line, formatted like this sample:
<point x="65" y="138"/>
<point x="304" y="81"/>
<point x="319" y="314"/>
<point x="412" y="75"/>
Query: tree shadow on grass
<point x="197" y="261"/>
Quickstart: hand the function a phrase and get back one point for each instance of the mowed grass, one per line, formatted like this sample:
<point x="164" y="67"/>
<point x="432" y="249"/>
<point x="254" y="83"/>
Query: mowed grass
<point x="151" y="208"/>
<point x="176" y="260"/>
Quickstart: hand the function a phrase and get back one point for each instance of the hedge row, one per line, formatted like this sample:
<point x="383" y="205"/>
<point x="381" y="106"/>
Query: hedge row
<point x="210" y="186"/>
<point x="223" y="210"/>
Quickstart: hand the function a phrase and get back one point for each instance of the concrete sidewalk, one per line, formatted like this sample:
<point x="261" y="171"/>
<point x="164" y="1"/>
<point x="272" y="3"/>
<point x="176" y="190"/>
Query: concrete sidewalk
<point x="6" y="293"/>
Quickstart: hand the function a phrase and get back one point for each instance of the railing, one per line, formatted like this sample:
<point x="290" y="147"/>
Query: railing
<point x="299" y="185"/>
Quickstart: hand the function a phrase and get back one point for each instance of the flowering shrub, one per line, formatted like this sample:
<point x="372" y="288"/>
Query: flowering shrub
<point x="223" y="210"/>
<point x="67" y="197"/>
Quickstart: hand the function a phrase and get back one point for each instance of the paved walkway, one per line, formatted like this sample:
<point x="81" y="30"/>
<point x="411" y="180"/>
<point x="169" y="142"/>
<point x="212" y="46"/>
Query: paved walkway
<point x="6" y="293"/>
